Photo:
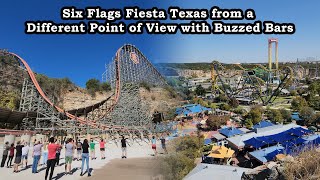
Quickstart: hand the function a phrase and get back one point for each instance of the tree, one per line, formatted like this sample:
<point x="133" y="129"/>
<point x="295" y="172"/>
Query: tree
<point x="275" y="115"/>
<point x="234" y="103"/>
<point x="298" y="102"/>
<point x="307" y="114"/>
<point x="293" y="93"/>
<point x="200" y="91"/>
<point x="225" y="107"/>
<point x="93" y="84"/>
<point x="105" y="86"/>
<point x="214" y="122"/>
<point x="248" y="123"/>
<point x="286" y="115"/>
<point x="222" y="98"/>
<point x="255" y="114"/>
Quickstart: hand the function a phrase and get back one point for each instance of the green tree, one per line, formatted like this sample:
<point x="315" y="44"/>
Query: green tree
<point x="255" y="114"/>
<point x="214" y="122"/>
<point x="200" y="91"/>
<point x="105" y="86"/>
<point x="293" y="93"/>
<point x="93" y="84"/>
<point x="286" y="114"/>
<point x="307" y="114"/>
<point x="275" y="115"/>
<point x="233" y="102"/>
<point x="225" y="107"/>
<point x="248" y="123"/>
<point x="298" y="102"/>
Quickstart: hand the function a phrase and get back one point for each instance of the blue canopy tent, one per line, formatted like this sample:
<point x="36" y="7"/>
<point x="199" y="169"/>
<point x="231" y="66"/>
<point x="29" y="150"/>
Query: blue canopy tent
<point x="207" y="141"/>
<point x="270" y="156"/>
<point x="229" y="132"/>
<point x="263" y="124"/>
<point x="254" y="142"/>
<point x="281" y="137"/>
<point x="191" y="109"/>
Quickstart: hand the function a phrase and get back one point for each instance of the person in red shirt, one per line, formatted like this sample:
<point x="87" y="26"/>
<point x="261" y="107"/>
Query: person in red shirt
<point x="52" y="149"/>
<point x="102" y="149"/>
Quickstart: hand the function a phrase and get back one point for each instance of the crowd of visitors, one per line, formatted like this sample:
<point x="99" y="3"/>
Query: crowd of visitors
<point x="50" y="151"/>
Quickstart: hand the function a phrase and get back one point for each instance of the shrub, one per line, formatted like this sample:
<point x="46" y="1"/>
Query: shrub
<point x="305" y="166"/>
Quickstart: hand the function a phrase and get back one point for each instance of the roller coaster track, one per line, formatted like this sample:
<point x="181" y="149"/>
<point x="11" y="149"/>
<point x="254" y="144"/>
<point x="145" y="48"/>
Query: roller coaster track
<point x="125" y="54"/>
<point x="256" y="82"/>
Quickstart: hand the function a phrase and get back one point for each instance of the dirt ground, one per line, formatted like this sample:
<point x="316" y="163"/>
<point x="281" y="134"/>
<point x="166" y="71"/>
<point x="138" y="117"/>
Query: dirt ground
<point x="129" y="169"/>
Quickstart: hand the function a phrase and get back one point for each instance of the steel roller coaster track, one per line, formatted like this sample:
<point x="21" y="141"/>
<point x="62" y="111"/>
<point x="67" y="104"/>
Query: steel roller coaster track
<point x="125" y="55"/>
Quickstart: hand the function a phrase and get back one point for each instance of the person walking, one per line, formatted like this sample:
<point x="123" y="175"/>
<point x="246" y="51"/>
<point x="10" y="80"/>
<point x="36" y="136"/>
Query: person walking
<point x="5" y="153"/>
<point x="17" y="159"/>
<point x="36" y="154"/>
<point x="163" y="144"/>
<point x="58" y="153"/>
<point x="25" y="152"/>
<point x="85" y="157"/>
<point x="102" y="149"/>
<point x="154" y="145"/>
<point x="51" y="162"/>
<point x="93" y="149"/>
<point x="79" y="150"/>
<point x="69" y="155"/>
<point x="45" y="153"/>
<point x="124" y="147"/>
<point x="11" y="154"/>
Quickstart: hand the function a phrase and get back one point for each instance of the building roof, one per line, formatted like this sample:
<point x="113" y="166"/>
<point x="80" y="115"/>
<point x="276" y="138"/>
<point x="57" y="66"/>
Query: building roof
<point x="285" y="91"/>
<point x="230" y="131"/>
<point x="221" y="152"/>
<point x="191" y="109"/>
<point x="263" y="124"/>
<point x="265" y="155"/>
<point x="218" y="136"/>
<point x="214" y="171"/>
<point x="238" y="141"/>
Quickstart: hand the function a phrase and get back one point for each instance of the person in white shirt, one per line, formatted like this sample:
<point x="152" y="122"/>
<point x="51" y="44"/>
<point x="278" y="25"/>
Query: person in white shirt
<point x="24" y="157"/>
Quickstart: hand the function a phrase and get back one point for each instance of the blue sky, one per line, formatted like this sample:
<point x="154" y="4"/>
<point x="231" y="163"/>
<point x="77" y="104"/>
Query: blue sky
<point x="81" y="57"/>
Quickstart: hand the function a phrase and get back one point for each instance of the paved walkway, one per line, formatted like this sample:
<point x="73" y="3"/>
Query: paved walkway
<point x="133" y="169"/>
<point x="113" y="151"/>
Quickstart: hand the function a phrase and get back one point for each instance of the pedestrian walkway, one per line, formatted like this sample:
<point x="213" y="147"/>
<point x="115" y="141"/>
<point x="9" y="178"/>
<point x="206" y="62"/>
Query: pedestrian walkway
<point x="113" y="151"/>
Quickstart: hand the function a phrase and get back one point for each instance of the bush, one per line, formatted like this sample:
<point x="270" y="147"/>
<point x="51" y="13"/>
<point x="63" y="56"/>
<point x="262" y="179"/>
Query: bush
<point x="145" y="85"/>
<point x="105" y="86"/>
<point x="305" y="166"/>
<point x="225" y="107"/>
<point x="94" y="85"/>
<point x="182" y="153"/>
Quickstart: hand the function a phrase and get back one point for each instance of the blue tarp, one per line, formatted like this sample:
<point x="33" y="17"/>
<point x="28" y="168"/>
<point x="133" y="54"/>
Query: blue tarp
<point x="280" y="137"/>
<point x="299" y="131"/>
<point x="266" y="140"/>
<point x="207" y="141"/>
<point x="295" y="116"/>
<point x="262" y="124"/>
<point x="230" y="131"/>
<point x="191" y="109"/>
<point x="254" y="142"/>
<point x="270" y="156"/>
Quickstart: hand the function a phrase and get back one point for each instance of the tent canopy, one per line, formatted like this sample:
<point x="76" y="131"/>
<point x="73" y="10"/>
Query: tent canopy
<point x="221" y="152"/>
<point x="230" y="131"/>
<point x="263" y="124"/>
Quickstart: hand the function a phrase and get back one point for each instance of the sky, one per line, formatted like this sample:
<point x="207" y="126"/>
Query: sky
<point x="81" y="57"/>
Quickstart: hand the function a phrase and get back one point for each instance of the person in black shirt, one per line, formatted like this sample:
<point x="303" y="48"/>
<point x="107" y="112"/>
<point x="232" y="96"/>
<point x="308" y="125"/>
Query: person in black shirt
<point x="124" y="147"/>
<point x="17" y="160"/>
<point x="85" y="157"/>
<point x="163" y="144"/>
